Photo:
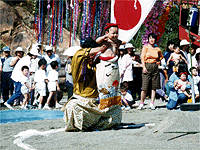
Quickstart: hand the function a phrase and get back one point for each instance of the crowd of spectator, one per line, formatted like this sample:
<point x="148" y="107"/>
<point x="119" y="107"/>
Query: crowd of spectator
<point x="168" y="76"/>
<point x="164" y="75"/>
<point x="20" y="80"/>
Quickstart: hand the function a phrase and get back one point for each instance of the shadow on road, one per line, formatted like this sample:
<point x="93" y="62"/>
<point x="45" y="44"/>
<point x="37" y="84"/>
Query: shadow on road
<point x="185" y="133"/>
<point x="130" y="126"/>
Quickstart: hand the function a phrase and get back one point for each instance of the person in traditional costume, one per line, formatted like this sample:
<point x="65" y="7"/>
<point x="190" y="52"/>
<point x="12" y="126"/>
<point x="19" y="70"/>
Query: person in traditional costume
<point x="107" y="74"/>
<point x="82" y="111"/>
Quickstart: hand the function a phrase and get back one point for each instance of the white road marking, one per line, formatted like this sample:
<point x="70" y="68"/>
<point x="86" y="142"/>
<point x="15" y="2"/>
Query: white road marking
<point x="21" y="136"/>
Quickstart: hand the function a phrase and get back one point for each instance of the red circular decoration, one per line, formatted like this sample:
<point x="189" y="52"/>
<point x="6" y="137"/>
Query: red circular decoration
<point x="126" y="15"/>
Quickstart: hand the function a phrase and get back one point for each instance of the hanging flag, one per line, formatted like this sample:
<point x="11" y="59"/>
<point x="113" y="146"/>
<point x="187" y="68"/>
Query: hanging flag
<point x="130" y="14"/>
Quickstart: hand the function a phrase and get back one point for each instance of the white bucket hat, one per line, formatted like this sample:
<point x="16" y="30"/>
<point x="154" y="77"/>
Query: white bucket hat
<point x="34" y="51"/>
<point x="19" y="49"/>
<point x="129" y="45"/>
<point x="48" y="48"/>
<point x="198" y="50"/>
<point x="37" y="45"/>
<point x="71" y="50"/>
<point x="121" y="47"/>
<point x="184" y="42"/>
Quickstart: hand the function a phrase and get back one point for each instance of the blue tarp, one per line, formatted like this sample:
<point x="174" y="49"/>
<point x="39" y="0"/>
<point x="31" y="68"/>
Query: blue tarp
<point x="14" y="116"/>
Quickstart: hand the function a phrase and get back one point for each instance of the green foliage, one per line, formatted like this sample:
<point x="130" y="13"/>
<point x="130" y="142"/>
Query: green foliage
<point x="1" y="47"/>
<point x="171" y="31"/>
<point x="137" y="39"/>
<point x="171" y="28"/>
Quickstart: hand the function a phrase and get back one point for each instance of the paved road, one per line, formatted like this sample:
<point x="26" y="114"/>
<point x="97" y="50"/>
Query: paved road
<point x="140" y="129"/>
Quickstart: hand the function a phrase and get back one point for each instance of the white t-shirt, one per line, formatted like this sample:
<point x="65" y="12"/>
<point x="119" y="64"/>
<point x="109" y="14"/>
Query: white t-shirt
<point x="194" y="61"/>
<point x="53" y="57"/>
<point x="17" y="73"/>
<point x="40" y="76"/>
<point x="13" y="59"/>
<point x="120" y="64"/>
<point x="52" y="76"/>
<point x="127" y="68"/>
<point x="128" y="97"/>
<point x="34" y="65"/>
<point x="24" y="79"/>
<point x="196" y="81"/>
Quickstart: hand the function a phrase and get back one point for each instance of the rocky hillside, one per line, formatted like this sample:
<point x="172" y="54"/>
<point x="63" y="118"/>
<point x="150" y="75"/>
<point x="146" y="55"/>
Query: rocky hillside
<point x="16" y="28"/>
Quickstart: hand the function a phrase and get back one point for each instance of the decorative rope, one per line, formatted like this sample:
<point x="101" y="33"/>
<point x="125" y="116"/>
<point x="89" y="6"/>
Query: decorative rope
<point x="94" y="17"/>
<point x="83" y="20"/>
<point x="52" y="23"/>
<point x="61" y="26"/>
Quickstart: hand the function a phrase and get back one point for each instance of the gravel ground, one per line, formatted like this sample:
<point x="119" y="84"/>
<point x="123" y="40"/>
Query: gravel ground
<point x="140" y="129"/>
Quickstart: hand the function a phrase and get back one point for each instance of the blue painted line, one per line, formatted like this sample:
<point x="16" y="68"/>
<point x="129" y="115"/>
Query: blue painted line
<point x="15" y="116"/>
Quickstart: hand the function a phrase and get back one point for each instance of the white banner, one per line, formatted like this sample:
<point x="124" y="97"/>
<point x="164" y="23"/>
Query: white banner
<point x="130" y="14"/>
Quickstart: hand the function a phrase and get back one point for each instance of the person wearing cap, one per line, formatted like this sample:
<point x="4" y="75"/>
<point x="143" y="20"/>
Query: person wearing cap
<point x="110" y="39"/>
<point x="175" y="97"/>
<point x="19" y="53"/>
<point x="33" y="68"/>
<point x="107" y="73"/>
<point x="16" y="75"/>
<point x="184" y="48"/>
<point x="150" y="57"/>
<point x="127" y="68"/>
<point x="49" y="57"/>
<point x="6" y="81"/>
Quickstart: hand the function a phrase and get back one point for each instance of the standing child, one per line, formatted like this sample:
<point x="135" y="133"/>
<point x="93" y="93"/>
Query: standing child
<point x="53" y="84"/>
<point x="180" y="85"/>
<point x="126" y="98"/>
<point x="196" y="82"/>
<point x="39" y="81"/>
<point x="26" y="87"/>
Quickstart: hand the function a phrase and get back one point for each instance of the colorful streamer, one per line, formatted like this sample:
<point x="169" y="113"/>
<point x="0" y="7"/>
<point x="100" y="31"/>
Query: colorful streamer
<point x="93" y="15"/>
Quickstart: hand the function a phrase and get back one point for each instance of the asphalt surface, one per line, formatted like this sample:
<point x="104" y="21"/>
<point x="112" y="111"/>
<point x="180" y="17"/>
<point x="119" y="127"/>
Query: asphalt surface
<point x="140" y="129"/>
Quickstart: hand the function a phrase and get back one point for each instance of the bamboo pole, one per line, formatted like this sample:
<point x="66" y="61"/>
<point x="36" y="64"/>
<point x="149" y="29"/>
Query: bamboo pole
<point x="193" y="94"/>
